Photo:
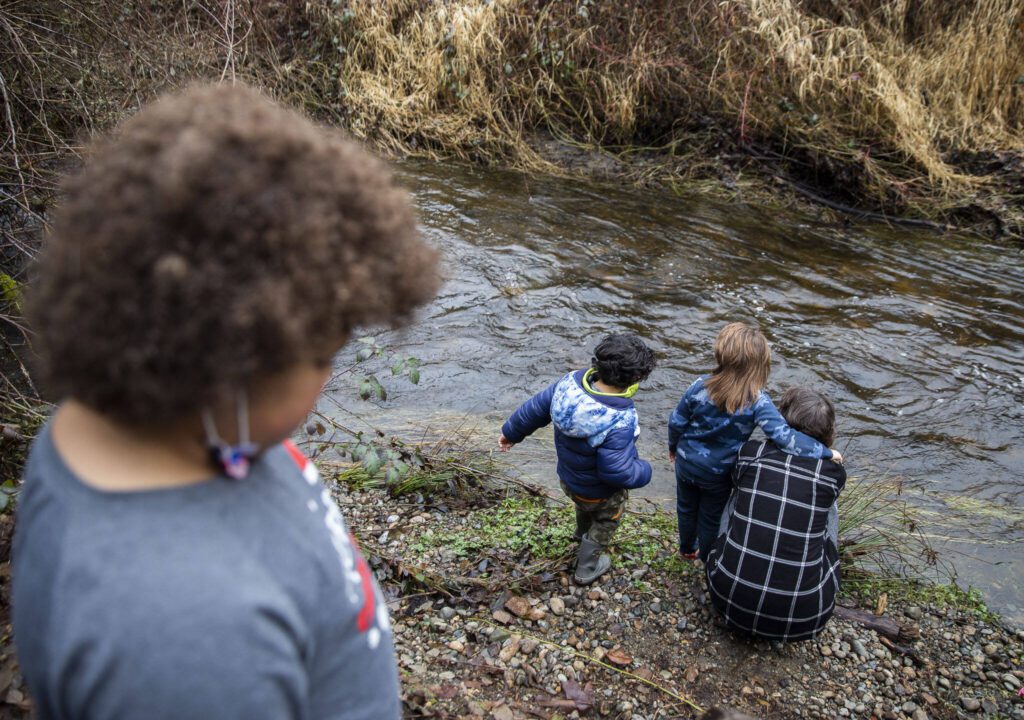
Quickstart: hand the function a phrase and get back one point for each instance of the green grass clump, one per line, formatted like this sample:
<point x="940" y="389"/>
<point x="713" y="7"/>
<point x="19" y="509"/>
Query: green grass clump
<point x="535" y="528"/>
<point x="879" y="536"/>
<point x="450" y="467"/>
<point x="520" y="525"/>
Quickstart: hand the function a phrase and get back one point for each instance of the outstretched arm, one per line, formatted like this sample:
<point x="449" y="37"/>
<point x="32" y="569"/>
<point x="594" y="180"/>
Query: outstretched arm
<point x="529" y="417"/>
<point x="779" y="432"/>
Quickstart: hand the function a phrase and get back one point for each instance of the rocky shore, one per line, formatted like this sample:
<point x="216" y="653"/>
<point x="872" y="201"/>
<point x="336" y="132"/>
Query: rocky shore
<point x="488" y="623"/>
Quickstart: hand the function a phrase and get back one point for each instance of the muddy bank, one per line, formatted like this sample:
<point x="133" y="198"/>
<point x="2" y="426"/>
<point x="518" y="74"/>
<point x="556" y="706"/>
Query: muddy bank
<point x="489" y="624"/>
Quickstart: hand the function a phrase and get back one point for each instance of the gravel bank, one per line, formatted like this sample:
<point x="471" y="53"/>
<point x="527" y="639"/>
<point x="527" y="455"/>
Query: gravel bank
<point x="502" y="632"/>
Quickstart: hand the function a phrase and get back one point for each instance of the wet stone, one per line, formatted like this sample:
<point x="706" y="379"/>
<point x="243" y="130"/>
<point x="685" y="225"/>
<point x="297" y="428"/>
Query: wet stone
<point x="970" y="704"/>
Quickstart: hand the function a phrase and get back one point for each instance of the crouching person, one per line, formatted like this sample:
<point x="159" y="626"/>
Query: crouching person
<point x="774" y="570"/>
<point x="176" y="555"/>
<point x="595" y="440"/>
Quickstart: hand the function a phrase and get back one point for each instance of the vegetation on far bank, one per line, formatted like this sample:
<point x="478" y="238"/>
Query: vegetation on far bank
<point x="906" y="108"/>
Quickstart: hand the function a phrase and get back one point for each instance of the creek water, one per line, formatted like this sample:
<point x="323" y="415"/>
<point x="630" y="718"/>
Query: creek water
<point x="917" y="337"/>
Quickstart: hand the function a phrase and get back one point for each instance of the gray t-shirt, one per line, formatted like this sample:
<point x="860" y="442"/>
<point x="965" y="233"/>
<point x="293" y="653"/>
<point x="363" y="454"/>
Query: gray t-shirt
<point x="225" y="599"/>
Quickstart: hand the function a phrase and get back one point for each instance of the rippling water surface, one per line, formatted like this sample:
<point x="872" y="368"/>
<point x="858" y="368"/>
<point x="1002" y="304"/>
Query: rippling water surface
<point x="917" y="338"/>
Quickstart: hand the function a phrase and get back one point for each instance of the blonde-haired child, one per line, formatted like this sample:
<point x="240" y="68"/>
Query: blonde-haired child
<point x="715" y="416"/>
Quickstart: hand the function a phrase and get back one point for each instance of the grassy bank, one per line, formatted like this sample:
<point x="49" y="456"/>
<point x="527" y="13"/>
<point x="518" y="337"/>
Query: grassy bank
<point x="524" y="531"/>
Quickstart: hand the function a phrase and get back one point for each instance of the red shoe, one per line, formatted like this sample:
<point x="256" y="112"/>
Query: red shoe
<point x="689" y="556"/>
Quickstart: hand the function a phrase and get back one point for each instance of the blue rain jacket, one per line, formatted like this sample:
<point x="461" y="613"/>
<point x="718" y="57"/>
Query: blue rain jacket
<point x="706" y="439"/>
<point x="595" y="436"/>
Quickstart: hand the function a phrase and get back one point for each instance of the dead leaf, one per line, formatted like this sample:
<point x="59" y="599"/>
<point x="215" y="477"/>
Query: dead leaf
<point x="447" y="692"/>
<point x="883" y="603"/>
<point x="582" y="697"/>
<point x="618" y="656"/>
<point x="691" y="673"/>
<point x="502" y="712"/>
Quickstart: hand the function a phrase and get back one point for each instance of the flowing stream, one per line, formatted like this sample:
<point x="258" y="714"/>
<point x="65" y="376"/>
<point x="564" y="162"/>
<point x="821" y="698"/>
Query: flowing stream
<point x="918" y="338"/>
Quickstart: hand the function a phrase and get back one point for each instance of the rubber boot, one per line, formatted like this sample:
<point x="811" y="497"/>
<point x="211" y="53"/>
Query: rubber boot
<point x="591" y="563"/>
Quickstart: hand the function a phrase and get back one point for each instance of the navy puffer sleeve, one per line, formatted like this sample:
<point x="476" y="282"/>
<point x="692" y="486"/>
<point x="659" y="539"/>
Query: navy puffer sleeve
<point x="617" y="461"/>
<point x="532" y="415"/>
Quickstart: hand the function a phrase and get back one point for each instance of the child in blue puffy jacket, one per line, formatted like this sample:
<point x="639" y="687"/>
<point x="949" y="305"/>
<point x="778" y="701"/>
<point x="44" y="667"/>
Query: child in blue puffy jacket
<point x="595" y="440"/>
<point x="715" y="416"/>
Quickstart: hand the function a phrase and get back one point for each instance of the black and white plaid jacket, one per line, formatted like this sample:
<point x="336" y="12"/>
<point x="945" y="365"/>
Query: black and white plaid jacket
<point x="775" y="573"/>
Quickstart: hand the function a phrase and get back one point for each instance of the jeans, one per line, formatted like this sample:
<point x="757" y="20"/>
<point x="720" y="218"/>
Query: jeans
<point x="699" y="511"/>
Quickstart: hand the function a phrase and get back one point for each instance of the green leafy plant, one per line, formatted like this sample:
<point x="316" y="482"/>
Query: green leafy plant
<point x="370" y="385"/>
<point x="10" y="292"/>
<point x="8" y="494"/>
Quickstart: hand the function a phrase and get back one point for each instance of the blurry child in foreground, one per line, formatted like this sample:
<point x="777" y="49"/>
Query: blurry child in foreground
<point x="715" y="416"/>
<point x="595" y="440"/>
<point x="176" y="556"/>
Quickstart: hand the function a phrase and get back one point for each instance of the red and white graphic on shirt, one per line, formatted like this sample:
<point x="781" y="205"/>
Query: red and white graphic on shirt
<point x="372" y="618"/>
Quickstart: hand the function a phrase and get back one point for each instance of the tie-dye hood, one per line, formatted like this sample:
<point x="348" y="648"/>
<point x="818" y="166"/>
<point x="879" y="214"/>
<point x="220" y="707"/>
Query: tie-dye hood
<point x="578" y="414"/>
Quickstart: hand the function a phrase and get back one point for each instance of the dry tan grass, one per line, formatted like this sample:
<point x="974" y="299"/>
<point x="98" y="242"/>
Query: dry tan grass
<point x="948" y="83"/>
<point x="876" y="97"/>
<point x="878" y="102"/>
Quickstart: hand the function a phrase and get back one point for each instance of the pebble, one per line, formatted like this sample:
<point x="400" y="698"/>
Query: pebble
<point x="846" y="672"/>
<point x="970" y="704"/>
<point x="557" y="605"/>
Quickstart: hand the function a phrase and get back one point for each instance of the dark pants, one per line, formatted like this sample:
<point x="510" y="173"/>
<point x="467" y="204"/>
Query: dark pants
<point x="598" y="518"/>
<point x="699" y="512"/>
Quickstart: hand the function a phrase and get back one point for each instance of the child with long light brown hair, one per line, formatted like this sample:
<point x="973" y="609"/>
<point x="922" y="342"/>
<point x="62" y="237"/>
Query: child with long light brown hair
<point x="715" y="416"/>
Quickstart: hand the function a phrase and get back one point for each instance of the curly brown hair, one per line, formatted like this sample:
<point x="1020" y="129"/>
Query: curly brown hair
<point x="217" y="238"/>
